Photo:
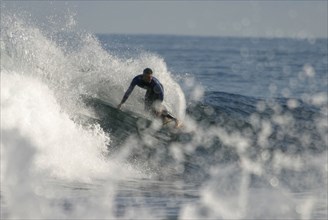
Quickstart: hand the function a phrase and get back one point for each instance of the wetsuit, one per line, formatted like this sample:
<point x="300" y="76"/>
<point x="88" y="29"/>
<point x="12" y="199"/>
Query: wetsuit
<point x="155" y="91"/>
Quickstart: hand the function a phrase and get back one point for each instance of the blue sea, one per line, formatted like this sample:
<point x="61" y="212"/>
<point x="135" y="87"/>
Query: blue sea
<point x="253" y="144"/>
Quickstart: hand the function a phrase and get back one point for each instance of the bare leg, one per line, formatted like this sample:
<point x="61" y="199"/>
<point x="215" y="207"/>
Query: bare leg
<point x="166" y="115"/>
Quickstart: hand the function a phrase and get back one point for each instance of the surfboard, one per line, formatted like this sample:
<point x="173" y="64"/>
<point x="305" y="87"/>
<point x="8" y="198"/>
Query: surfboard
<point x="122" y="123"/>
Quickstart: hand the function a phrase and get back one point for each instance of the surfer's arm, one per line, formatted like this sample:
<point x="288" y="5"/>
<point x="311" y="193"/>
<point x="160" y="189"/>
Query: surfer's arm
<point x="158" y="89"/>
<point x="128" y="92"/>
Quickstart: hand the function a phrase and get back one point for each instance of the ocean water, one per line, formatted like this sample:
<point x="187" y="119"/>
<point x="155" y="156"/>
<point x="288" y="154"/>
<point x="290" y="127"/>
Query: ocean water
<point x="253" y="144"/>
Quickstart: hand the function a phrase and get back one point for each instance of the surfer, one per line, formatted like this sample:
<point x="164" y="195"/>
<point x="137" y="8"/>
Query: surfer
<point x="153" y="98"/>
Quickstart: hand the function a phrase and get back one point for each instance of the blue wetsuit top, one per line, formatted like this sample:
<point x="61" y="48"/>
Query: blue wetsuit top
<point x="155" y="90"/>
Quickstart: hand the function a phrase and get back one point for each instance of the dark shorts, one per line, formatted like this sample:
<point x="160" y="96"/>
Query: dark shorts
<point x="150" y="106"/>
<point x="150" y="100"/>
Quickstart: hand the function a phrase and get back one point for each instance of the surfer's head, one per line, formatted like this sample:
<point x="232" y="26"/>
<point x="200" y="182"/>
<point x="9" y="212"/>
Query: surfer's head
<point x="147" y="75"/>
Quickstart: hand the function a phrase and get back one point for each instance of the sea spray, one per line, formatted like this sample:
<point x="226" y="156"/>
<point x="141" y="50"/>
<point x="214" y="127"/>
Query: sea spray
<point x="240" y="157"/>
<point x="62" y="147"/>
<point x="84" y="68"/>
<point x="41" y="84"/>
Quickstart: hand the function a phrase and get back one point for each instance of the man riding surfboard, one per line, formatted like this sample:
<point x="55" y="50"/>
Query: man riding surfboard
<point x="153" y="98"/>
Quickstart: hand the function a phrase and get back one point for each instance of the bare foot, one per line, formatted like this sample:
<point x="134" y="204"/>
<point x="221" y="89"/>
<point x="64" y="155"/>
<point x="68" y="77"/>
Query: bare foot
<point x="177" y="123"/>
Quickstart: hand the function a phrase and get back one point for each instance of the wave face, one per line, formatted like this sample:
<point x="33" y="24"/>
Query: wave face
<point x="67" y="152"/>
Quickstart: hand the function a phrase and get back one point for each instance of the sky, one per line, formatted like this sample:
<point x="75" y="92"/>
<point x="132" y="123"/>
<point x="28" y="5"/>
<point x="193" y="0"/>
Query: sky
<point x="293" y="18"/>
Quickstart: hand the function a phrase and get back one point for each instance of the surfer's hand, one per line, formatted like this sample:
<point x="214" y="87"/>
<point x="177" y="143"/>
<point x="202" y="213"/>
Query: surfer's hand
<point x="119" y="106"/>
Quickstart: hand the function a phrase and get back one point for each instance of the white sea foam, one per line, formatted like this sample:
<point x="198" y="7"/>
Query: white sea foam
<point x="46" y="157"/>
<point x="41" y="84"/>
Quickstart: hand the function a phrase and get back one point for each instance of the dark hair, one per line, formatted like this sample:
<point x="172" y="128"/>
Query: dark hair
<point x="147" y="71"/>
